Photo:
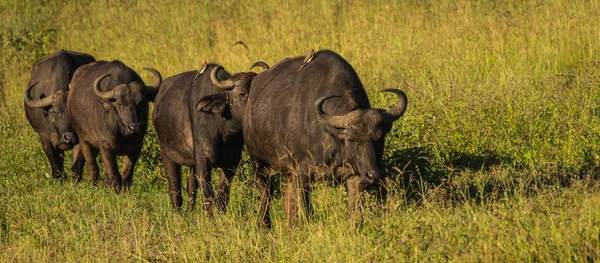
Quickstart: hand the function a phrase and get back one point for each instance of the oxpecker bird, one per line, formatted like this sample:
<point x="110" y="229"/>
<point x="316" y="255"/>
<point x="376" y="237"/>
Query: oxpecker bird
<point x="307" y="59"/>
<point x="200" y="71"/>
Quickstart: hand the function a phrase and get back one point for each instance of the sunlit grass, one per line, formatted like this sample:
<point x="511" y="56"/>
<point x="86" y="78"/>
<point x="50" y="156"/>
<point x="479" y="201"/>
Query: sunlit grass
<point x="495" y="159"/>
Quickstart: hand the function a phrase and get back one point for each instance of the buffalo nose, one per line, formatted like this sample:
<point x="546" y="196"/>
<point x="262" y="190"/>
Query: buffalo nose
<point x="69" y="138"/>
<point x="372" y="176"/>
<point x="133" y="129"/>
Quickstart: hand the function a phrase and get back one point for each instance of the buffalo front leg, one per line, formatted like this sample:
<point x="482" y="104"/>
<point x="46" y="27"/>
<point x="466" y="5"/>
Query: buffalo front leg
<point x="128" y="164"/>
<point x="224" y="188"/>
<point x="55" y="157"/>
<point x="354" y="190"/>
<point x="90" y="154"/>
<point x="297" y="194"/>
<point x="203" y="169"/>
<point x="192" y="190"/>
<point x="109" y="161"/>
<point x="78" y="163"/>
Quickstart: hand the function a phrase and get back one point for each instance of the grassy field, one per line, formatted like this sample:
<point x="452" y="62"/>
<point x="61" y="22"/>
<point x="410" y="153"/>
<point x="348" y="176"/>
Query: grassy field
<point x="496" y="159"/>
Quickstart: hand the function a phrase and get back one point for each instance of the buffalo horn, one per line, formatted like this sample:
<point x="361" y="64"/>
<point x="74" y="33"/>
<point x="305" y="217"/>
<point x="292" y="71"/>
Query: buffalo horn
<point x="399" y="108"/>
<point x="152" y="90"/>
<point x="222" y="84"/>
<point x="47" y="101"/>
<point x="109" y="95"/>
<point x="260" y="64"/>
<point x="335" y="121"/>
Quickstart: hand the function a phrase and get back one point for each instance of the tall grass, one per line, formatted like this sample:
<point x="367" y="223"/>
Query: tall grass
<point x="495" y="160"/>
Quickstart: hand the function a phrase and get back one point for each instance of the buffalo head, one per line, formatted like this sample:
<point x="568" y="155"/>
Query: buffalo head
<point x="121" y="102"/>
<point x="54" y="108"/>
<point x="362" y="134"/>
<point x="233" y="99"/>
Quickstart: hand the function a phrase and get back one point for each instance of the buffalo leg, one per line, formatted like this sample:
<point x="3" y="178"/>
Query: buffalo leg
<point x="90" y="159"/>
<point x="109" y="161"/>
<point x="173" y="173"/>
<point x="55" y="156"/>
<point x="128" y="165"/>
<point x="297" y="193"/>
<point x="192" y="189"/>
<point x="203" y="169"/>
<point x="224" y="188"/>
<point x="265" y="186"/>
<point x="354" y="203"/>
<point x="78" y="163"/>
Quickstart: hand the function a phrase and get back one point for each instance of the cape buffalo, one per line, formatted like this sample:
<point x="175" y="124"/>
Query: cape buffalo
<point x="198" y="119"/>
<point x="108" y="104"/>
<point x="46" y="104"/>
<point x="301" y="121"/>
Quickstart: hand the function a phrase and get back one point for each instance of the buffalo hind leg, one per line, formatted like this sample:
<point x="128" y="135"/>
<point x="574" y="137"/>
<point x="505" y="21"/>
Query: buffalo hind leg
<point x="128" y="164"/>
<point x="55" y="156"/>
<point x="173" y="174"/>
<point x="109" y="161"/>
<point x="224" y="188"/>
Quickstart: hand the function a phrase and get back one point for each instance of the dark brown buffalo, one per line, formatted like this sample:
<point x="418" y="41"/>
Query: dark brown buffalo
<point x="301" y="121"/>
<point x="108" y="104"/>
<point x="198" y="119"/>
<point x="46" y="104"/>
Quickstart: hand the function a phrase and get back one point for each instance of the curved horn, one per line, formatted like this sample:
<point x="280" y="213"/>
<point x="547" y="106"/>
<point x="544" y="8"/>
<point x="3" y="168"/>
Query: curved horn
<point x="222" y="84"/>
<point x="154" y="88"/>
<point x="399" y="108"/>
<point x="109" y="95"/>
<point x="326" y="119"/>
<point x="47" y="101"/>
<point x="260" y="64"/>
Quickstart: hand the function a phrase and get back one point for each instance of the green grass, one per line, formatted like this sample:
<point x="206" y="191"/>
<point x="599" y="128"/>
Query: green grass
<point x="496" y="158"/>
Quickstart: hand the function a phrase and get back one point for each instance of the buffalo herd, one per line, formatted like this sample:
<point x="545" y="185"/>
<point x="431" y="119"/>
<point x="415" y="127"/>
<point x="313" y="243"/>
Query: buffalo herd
<point x="304" y="117"/>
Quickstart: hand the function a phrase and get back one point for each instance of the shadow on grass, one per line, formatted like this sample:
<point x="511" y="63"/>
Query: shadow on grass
<point x="480" y="177"/>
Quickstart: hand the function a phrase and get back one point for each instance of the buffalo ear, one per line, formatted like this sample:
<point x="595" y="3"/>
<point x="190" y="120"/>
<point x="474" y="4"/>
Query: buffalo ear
<point x="105" y="104"/>
<point x="339" y="133"/>
<point x="215" y="103"/>
<point x="44" y="109"/>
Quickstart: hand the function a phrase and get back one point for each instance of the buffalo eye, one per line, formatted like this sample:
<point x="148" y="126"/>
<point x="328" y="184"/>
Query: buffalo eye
<point x="106" y="105"/>
<point x="53" y="111"/>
